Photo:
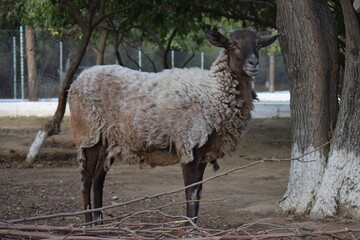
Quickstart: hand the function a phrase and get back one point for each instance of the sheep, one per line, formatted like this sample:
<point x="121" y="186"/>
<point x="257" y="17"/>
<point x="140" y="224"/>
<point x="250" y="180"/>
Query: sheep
<point x="187" y="116"/>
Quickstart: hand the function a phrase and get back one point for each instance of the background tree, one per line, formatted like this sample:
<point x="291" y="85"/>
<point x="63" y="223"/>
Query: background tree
<point x="100" y="47"/>
<point x="33" y="82"/>
<point x="86" y="15"/>
<point x="10" y="20"/>
<point x="158" y="27"/>
<point x="327" y="184"/>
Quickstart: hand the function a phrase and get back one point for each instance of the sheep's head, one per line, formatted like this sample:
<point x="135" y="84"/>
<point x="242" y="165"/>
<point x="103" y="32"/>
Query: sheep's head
<point x="243" y="49"/>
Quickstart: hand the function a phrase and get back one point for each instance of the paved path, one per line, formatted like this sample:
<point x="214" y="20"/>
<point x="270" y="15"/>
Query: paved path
<point x="270" y="105"/>
<point x="43" y="109"/>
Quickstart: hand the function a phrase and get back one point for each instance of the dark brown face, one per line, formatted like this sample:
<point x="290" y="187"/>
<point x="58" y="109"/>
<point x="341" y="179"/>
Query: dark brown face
<point x="243" y="49"/>
<point x="244" y="52"/>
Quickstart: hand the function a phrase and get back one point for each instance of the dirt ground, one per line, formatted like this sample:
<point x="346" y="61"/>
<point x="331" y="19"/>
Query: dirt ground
<point x="52" y="184"/>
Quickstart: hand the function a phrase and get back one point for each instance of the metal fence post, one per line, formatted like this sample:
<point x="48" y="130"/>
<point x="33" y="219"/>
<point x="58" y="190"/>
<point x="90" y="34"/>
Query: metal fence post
<point x="202" y="60"/>
<point x="61" y="62"/>
<point x="22" y="61"/>
<point x="172" y="59"/>
<point x="139" y="60"/>
<point x="14" y="65"/>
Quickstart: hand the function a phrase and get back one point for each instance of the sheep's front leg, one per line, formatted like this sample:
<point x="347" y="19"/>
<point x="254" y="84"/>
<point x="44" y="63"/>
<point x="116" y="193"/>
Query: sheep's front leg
<point x="193" y="172"/>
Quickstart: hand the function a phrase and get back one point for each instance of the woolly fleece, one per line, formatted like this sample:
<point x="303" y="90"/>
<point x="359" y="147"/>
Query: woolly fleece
<point x="159" y="118"/>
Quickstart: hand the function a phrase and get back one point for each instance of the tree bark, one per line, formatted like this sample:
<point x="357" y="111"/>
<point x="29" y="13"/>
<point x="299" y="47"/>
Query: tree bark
<point x="309" y="45"/>
<point x="31" y="64"/>
<point x="340" y="189"/>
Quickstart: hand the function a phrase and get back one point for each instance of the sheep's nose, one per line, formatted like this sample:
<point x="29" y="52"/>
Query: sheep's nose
<point x="253" y="62"/>
<point x="252" y="66"/>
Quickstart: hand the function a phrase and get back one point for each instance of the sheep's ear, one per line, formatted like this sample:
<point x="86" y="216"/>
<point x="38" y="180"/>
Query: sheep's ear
<point x="265" y="41"/>
<point x="217" y="39"/>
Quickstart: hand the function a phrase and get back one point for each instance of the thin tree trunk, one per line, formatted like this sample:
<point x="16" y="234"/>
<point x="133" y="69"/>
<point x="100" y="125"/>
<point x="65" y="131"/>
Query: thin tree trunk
<point x="309" y="44"/>
<point x="116" y="48"/>
<point x="31" y="64"/>
<point x="101" y="47"/>
<point x="340" y="189"/>
<point x="53" y="126"/>
<point x="164" y="58"/>
<point x="118" y="56"/>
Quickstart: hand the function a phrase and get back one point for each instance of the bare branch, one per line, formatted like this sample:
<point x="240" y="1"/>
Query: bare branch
<point x="171" y="37"/>
<point x="132" y="60"/>
<point x="98" y="20"/>
<point x="172" y="230"/>
<point x="188" y="60"/>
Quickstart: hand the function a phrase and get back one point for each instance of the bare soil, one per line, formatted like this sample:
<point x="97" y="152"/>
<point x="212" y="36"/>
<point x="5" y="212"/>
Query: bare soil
<point x="52" y="185"/>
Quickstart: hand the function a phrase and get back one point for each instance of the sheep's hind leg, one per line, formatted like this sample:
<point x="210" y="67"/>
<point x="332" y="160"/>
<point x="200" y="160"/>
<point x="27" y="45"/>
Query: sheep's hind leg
<point x="193" y="172"/>
<point x="98" y="187"/>
<point x="87" y="174"/>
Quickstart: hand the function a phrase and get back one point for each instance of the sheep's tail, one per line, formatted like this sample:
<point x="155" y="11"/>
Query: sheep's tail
<point x="216" y="166"/>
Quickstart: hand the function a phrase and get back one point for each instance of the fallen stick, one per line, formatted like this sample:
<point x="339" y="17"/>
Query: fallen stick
<point x="53" y="232"/>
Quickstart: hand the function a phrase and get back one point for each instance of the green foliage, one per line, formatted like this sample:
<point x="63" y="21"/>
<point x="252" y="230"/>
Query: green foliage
<point x="8" y="20"/>
<point x="44" y="14"/>
<point x="189" y="19"/>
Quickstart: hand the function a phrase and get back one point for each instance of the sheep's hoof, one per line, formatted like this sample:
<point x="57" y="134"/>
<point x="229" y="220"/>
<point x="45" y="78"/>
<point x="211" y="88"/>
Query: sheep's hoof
<point x="194" y="233"/>
<point x="216" y="166"/>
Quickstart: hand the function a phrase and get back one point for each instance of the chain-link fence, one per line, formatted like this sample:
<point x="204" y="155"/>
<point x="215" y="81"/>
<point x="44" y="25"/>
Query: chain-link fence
<point x="53" y="57"/>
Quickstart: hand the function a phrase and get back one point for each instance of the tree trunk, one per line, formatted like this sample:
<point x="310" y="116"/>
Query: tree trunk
<point x="164" y="58"/>
<point x="309" y="45"/>
<point x="116" y="47"/>
<point x="53" y="126"/>
<point x="31" y="64"/>
<point x="118" y="56"/>
<point x="340" y="189"/>
<point x="100" y="51"/>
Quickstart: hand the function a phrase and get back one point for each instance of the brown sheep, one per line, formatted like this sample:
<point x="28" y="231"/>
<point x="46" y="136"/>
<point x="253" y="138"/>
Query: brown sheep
<point x="187" y="116"/>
